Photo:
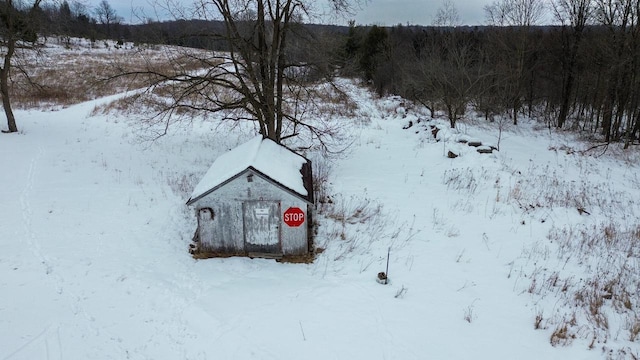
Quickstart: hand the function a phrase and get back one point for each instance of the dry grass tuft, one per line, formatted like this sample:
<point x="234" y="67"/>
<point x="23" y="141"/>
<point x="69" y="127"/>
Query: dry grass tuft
<point x="63" y="77"/>
<point x="591" y="268"/>
<point x="562" y="336"/>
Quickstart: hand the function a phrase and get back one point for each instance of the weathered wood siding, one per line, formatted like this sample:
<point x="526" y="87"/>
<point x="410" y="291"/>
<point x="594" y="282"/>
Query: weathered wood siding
<point x="261" y="226"/>
<point x="227" y="232"/>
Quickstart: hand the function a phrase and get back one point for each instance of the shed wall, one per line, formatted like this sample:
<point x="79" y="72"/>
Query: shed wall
<point x="225" y="232"/>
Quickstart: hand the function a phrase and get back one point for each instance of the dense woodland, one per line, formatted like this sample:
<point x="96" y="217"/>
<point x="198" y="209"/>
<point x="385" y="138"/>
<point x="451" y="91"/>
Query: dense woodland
<point x="582" y="75"/>
<point x="587" y="80"/>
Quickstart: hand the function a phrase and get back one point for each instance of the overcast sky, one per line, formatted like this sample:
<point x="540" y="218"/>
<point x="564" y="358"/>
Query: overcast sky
<point x="379" y="12"/>
<point x="417" y="12"/>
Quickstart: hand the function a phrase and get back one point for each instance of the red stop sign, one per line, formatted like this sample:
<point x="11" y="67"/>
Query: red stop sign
<point x="293" y="216"/>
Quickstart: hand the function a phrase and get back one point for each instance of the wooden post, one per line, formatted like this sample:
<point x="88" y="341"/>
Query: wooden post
<point x="386" y="279"/>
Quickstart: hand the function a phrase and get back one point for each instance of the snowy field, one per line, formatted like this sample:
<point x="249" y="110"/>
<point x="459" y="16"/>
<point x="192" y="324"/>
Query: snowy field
<point x="527" y="253"/>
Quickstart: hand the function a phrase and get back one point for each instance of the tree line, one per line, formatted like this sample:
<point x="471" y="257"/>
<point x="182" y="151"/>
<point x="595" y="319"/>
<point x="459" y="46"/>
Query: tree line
<point x="583" y="74"/>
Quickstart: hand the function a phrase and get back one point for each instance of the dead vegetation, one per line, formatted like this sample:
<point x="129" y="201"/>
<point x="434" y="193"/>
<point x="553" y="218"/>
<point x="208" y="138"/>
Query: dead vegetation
<point x="587" y="266"/>
<point x="57" y="75"/>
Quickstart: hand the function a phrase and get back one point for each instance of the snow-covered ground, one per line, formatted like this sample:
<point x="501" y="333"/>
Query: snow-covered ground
<point x="94" y="234"/>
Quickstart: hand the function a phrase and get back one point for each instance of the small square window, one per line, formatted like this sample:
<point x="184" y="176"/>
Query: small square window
<point x="206" y="214"/>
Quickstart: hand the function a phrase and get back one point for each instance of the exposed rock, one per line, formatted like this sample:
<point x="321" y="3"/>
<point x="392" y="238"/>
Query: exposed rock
<point x="434" y="131"/>
<point x="463" y="139"/>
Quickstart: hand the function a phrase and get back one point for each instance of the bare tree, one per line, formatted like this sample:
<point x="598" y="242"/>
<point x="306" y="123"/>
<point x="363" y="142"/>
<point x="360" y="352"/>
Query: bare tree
<point x="447" y="76"/>
<point x="573" y="14"/>
<point x="17" y="24"/>
<point x="107" y="15"/>
<point x="520" y="16"/>
<point x="622" y="20"/>
<point x="258" y="78"/>
<point x="515" y="12"/>
<point x="456" y="81"/>
<point x="447" y="15"/>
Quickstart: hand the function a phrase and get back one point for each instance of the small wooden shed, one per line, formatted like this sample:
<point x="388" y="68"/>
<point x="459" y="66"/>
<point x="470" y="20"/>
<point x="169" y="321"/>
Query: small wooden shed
<point x="256" y="201"/>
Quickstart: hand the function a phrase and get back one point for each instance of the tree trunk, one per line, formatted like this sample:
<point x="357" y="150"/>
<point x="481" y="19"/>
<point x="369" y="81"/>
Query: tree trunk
<point x="607" y="118"/>
<point x="579" y="19"/>
<point x="635" y="134"/>
<point x="4" y="87"/>
<point x="566" y="94"/>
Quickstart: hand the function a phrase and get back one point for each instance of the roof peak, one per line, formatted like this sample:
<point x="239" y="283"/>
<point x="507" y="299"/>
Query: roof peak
<point x="274" y="160"/>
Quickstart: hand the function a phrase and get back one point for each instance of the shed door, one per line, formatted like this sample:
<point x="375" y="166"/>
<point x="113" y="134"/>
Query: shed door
<point x="261" y="226"/>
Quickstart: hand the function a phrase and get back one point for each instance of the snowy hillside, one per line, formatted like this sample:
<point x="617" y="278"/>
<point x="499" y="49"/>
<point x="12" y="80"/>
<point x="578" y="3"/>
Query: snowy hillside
<point x="491" y="256"/>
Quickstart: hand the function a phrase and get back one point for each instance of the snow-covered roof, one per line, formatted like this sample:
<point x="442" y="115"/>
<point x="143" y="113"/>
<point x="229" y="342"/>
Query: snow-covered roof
<point x="264" y="155"/>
